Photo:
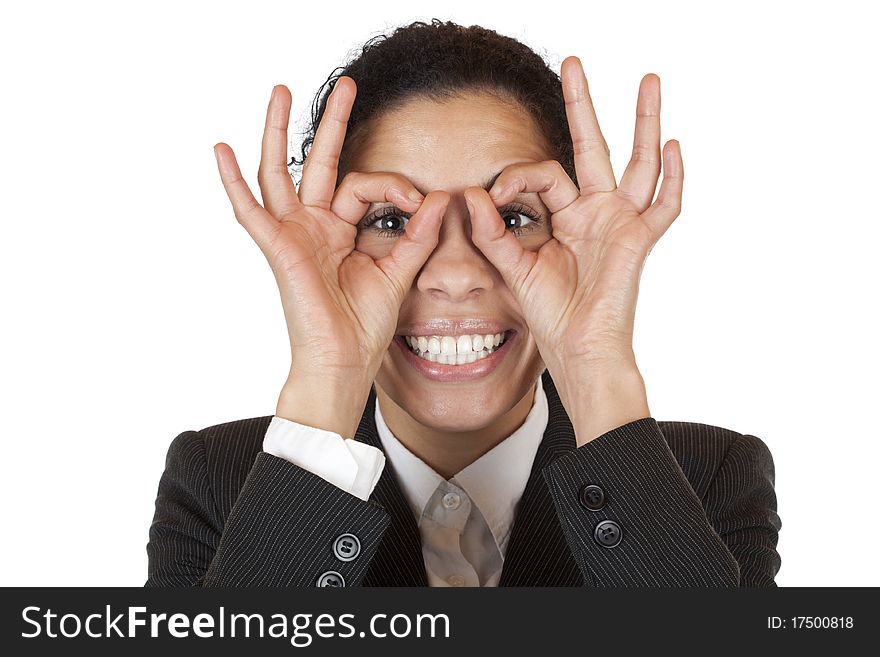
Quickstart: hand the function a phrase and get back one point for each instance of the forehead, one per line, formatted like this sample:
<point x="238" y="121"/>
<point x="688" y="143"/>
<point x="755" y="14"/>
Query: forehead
<point x="450" y="144"/>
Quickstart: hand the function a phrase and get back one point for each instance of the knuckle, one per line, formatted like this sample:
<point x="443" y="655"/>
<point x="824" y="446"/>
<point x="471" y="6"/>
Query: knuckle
<point x="320" y="159"/>
<point x="435" y="204"/>
<point x="671" y="205"/>
<point x="510" y="174"/>
<point x="443" y="197"/>
<point x="350" y="185"/>
<point x="395" y="183"/>
<point x="556" y="166"/>
<point x="241" y="214"/>
<point x="268" y="171"/>
<point x="588" y="145"/>
<point x="393" y="178"/>
<point x="349" y="179"/>
<point x="646" y="153"/>
<point x="367" y="185"/>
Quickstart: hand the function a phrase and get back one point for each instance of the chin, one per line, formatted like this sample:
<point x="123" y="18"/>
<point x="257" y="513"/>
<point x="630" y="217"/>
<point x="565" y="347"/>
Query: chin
<point x="457" y="412"/>
<point x="456" y="407"/>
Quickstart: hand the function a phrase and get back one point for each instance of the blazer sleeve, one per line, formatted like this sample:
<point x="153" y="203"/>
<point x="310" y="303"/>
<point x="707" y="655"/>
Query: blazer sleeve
<point x="280" y="531"/>
<point x="668" y="536"/>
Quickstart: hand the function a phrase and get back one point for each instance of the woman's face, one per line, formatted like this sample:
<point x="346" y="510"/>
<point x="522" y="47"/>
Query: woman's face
<point x="451" y="146"/>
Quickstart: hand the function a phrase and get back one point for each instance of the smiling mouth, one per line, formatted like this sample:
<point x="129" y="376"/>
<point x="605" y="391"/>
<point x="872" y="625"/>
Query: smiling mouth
<point x="456" y="350"/>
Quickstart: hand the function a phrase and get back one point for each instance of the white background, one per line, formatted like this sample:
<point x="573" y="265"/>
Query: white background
<point x="136" y="307"/>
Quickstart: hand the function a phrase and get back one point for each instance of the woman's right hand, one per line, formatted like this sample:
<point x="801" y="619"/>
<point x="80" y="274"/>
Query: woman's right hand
<point x="340" y="305"/>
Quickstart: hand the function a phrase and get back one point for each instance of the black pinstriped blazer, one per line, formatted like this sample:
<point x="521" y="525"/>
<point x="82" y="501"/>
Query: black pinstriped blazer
<point x="695" y="505"/>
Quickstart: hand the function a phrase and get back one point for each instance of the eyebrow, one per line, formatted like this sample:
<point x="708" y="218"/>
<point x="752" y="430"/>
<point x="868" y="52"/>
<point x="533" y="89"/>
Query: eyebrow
<point x="488" y="184"/>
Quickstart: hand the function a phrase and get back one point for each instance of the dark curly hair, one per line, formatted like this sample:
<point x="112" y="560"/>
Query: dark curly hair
<point x="440" y="60"/>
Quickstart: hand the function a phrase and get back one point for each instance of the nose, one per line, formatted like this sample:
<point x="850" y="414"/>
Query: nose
<point x="456" y="270"/>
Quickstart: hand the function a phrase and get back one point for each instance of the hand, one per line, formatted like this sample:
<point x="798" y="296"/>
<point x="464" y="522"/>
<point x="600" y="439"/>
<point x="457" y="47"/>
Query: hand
<point x="340" y="305"/>
<point x="578" y="291"/>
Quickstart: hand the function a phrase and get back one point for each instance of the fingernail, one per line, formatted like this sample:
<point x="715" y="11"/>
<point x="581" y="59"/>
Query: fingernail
<point x="415" y="195"/>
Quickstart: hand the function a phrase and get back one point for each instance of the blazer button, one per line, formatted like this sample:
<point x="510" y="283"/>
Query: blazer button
<point x="592" y="497"/>
<point x="608" y="533"/>
<point x="346" y="547"/>
<point x="331" y="578"/>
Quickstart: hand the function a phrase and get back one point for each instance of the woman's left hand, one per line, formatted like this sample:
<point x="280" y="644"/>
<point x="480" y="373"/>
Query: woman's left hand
<point x="578" y="291"/>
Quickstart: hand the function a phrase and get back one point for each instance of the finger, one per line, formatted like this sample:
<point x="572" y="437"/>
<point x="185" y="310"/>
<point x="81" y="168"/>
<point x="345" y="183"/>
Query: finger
<point x="358" y="191"/>
<point x="547" y="178"/>
<point x="273" y="176"/>
<point x="321" y="166"/>
<point x="666" y="208"/>
<point x="639" y="181"/>
<point x="499" y="245"/>
<point x="259" y="224"/>
<point x="412" y="249"/>
<point x="591" y="155"/>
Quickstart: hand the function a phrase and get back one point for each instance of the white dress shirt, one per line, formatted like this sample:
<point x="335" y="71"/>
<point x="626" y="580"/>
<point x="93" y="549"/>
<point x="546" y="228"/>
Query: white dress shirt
<point x="464" y="521"/>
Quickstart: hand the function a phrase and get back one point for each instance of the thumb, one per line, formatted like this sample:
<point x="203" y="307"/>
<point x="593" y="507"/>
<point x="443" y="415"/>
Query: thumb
<point x="421" y="235"/>
<point x="499" y="245"/>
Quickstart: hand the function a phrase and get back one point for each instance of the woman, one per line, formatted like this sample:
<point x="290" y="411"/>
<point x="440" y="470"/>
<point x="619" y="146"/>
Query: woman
<point x="459" y="271"/>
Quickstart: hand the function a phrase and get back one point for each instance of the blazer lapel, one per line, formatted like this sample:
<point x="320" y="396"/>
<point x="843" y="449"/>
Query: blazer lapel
<point x="537" y="552"/>
<point x="399" y="560"/>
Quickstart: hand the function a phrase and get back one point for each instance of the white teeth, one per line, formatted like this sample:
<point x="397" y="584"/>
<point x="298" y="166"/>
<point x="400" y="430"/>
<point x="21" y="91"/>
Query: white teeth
<point x="449" y="350"/>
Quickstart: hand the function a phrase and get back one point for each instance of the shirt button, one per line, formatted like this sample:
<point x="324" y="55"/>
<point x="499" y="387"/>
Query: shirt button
<point x="456" y="580"/>
<point x="451" y="500"/>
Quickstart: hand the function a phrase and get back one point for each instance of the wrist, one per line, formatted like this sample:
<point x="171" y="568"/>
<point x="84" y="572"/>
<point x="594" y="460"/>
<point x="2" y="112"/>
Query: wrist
<point x="324" y="403"/>
<point x="600" y="400"/>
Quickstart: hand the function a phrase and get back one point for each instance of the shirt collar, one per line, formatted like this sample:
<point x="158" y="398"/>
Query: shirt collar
<point x="495" y="482"/>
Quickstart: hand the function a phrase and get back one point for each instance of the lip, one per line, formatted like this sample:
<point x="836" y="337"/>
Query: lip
<point x="452" y="327"/>
<point x="455" y="373"/>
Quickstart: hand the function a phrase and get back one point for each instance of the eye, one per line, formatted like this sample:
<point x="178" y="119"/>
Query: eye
<point x="391" y="222"/>
<point x="519" y="219"/>
<point x="386" y="222"/>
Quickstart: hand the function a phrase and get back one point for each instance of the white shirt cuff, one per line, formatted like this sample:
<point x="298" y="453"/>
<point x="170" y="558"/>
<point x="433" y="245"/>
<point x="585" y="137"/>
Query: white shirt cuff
<point x="351" y="465"/>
